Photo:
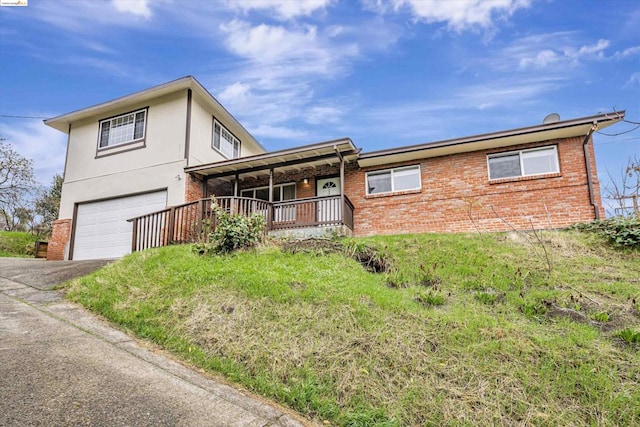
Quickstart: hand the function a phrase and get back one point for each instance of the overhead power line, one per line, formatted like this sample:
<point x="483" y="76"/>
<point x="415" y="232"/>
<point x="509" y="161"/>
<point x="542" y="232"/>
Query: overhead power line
<point x="21" y="117"/>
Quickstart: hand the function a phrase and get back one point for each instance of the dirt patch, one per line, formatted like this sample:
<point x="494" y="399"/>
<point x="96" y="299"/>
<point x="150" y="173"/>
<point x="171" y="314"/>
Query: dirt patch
<point x="370" y="257"/>
<point x="312" y="245"/>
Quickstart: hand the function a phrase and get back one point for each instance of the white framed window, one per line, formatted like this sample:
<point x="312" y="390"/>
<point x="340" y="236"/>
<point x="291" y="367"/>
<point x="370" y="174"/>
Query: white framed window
<point x="393" y="180"/>
<point x="514" y="164"/>
<point x="122" y="129"/>
<point x="224" y="141"/>
<point x="281" y="192"/>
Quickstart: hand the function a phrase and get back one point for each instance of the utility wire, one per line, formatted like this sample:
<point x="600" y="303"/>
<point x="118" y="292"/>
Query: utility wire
<point x="21" y="117"/>
<point x="619" y="133"/>
<point x="614" y="142"/>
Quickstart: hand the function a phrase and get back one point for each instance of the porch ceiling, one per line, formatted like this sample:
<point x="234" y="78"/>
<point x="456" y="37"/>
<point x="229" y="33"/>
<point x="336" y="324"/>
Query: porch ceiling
<point x="293" y="159"/>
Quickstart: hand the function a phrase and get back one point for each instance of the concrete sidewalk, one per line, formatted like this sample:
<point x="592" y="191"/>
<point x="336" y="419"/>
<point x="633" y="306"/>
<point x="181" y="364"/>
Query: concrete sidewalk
<point x="60" y="365"/>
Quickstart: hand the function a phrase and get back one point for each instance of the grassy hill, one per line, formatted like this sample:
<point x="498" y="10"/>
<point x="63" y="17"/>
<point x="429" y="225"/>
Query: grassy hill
<point x="462" y="329"/>
<point x="16" y="244"/>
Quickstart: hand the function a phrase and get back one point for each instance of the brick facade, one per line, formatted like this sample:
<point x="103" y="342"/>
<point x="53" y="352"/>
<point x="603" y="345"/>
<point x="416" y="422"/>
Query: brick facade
<point x="193" y="188"/>
<point x="58" y="243"/>
<point x="457" y="196"/>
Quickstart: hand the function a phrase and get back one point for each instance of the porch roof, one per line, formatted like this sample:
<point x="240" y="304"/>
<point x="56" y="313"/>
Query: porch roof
<point x="291" y="159"/>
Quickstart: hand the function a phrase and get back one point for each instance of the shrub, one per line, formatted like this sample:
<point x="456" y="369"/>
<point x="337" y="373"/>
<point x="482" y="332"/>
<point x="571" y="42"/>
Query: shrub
<point x="16" y="243"/>
<point x="623" y="232"/>
<point x="233" y="232"/>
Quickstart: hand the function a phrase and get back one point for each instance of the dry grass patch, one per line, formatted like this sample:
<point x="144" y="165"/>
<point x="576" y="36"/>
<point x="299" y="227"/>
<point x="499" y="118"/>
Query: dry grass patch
<point x="318" y="333"/>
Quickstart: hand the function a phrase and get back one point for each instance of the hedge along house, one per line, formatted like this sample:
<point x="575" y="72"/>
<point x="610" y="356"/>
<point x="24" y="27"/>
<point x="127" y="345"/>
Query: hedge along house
<point x="140" y="170"/>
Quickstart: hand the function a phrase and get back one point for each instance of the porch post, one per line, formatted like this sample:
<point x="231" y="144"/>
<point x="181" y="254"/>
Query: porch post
<point x="270" y="210"/>
<point x="341" y="182"/>
<point x="235" y="185"/>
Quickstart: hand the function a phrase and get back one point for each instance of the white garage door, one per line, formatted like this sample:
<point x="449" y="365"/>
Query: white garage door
<point x="102" y="230"/>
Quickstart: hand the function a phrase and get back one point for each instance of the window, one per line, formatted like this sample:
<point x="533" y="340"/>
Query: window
<point x="128" y="127"/>
<point x="281" y="192"/>
<point x="224" y="141"/>
<point x="392" y="180"/>
<point x="536" y="161"/>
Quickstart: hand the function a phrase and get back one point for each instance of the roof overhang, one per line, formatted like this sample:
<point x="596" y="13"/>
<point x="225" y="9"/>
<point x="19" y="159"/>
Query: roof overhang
<point x="62" y="122"/>
<point x="288" y="160"/>
<point x="544" y="132"/>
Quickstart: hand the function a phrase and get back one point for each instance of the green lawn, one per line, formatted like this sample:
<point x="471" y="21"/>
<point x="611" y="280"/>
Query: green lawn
<point x="466" y="329"/>
<point x="17" y="244"/>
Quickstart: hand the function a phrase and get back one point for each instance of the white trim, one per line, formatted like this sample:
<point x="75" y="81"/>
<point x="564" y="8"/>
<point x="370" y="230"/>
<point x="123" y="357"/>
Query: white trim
<point x="111" y="119"/>
<point x="280" y="186"/>
<point x="233" y="143"/>
<point x="391" y="172"/>
<point x="519" y="153"/>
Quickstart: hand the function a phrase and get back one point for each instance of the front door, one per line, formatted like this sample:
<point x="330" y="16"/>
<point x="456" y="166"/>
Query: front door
<point x="329" y="210"/>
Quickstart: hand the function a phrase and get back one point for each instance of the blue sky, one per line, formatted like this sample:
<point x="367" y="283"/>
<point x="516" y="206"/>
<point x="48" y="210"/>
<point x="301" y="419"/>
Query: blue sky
<point x="384" y="72"/>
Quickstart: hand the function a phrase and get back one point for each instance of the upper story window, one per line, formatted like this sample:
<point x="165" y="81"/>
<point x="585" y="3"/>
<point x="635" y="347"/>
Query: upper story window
<point x="122" y="129"/>
<point x="394" y="180"/>
<point x="514" y="164"/>
<point x="224" y="141"/>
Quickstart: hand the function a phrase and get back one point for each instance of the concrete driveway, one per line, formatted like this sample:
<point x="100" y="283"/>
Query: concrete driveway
<point x="60" y="365"/>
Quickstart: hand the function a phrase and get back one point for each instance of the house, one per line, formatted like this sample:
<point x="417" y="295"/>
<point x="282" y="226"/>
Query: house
<point x="138" y="163"/>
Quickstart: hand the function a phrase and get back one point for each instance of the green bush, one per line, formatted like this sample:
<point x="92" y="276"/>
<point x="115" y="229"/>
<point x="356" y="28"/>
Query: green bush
<point x="233" y="232"/>
<point x="623" y="232"/>
<point x="16" y="243"/>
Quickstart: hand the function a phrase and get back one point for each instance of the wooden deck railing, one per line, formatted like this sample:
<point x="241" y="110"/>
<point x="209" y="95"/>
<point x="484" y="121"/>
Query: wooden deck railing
<point x="194" y="221"/>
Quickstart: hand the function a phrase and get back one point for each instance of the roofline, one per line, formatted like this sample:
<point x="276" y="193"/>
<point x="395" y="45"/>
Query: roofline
<point x="604" y="117"/>
<point x="270" y="154"/>
<point x="187" y="82"/>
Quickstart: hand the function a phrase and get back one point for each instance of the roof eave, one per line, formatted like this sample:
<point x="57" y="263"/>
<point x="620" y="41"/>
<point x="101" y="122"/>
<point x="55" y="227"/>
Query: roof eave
<point x="267" y="160"/>
<point x="62" y="122"/>
<point x="496" y="139"/>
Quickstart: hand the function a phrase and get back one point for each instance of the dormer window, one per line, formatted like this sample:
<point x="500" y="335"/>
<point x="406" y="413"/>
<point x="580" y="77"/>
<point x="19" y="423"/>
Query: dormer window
<point x="224" y="141"/>
<point x="122" y="129"/>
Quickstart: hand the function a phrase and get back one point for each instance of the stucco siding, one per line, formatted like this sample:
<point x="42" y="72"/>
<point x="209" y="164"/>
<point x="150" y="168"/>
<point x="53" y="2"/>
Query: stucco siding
<point x="142" y="180"/>
<point x="200" y="149"/>
<point x="164" y="141"/>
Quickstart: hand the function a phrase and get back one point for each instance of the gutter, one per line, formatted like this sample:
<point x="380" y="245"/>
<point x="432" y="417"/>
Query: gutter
<point x="596" y="208"/>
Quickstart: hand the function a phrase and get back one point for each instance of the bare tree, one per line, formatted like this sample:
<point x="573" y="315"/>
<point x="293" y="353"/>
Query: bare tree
<point x="625" y="192"/>
<point x="16" y="182"/>
<point x="48" y="204"/>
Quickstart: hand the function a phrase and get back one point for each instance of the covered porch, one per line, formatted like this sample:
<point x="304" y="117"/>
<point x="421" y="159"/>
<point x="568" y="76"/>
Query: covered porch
<point x="295" y="189"/>
<point x="300" y="192"/>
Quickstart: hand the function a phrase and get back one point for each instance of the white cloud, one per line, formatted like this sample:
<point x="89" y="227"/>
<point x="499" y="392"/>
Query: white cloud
<point x="541" y="60"/>
<point x="595" y="51"/>
<point x="89" y="17"/>
<point x="627" y="53"/>
<point x="135" y="7"/>
<point x="279" y="73"/>
<point x="44" y="145"/>
<point x="458" y="15"/>
<point x="278" y="132"/>
<point x="285" y="9"/>
<point x="559" y="51"/>
<point x="325" y="114"/>
<point x="634" y="80"/>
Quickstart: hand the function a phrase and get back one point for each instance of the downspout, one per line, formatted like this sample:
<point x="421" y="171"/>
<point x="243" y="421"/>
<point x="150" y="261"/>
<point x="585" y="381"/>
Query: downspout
<point x="596" y="208"/>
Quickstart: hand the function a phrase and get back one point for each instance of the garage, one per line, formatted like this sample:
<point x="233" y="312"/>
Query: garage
<point x="101" y="228"/>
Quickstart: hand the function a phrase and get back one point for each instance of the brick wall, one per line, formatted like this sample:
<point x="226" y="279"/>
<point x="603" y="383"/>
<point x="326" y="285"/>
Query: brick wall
<point x="193" y="188"/>
<point x="60" y="234"/>
<point x="456" y="196"/>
